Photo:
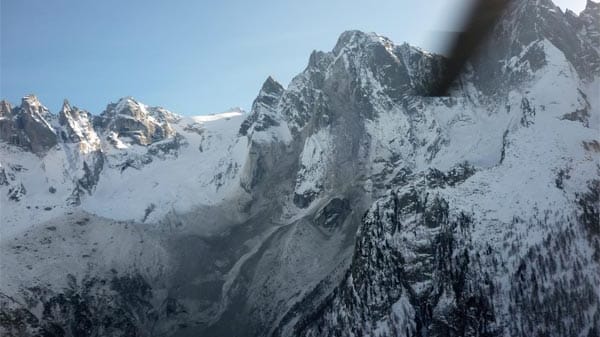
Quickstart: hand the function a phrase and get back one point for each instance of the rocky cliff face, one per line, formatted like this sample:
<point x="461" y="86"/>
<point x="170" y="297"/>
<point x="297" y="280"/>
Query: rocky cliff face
<point x="78" y="128"/>
<point x="136" y="122"/>
<point x="420" y="267"/>
<point x="344" y="204"/>
<point x="429" y="260"/>
<point x="28" y="126"/>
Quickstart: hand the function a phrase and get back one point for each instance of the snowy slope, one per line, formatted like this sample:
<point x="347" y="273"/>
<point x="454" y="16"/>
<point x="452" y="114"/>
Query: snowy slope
<point x="202" y="171"/>
<point x="345" y="204"/>
<point x="205" y="155"/>
<point x="494" y="252"/>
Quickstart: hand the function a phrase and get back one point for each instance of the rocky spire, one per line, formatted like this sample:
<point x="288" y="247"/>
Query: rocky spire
<point x="78" y="128"/>
<point x="64" y="113"/>
<point x="270" y="92"/>
<point x="28" y="126"/>
<point x="5" y="108"/>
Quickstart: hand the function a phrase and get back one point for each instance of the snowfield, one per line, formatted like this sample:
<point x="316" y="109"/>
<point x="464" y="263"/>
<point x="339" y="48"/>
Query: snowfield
<point x="345" y="204"/>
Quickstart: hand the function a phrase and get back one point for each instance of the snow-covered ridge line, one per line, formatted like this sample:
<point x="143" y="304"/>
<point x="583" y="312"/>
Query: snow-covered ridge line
<point x="74" y="159"/>
<point x="476" y="214"/>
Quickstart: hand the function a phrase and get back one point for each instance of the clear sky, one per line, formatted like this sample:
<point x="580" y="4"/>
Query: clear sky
<point x="190" y="56"/>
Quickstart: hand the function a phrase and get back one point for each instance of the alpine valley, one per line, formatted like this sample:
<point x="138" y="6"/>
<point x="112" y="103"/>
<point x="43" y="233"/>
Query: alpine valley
<point x="347" y="204"/>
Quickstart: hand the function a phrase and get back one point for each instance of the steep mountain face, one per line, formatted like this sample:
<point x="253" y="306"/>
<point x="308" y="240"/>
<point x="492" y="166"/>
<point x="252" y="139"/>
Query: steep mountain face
<point x="27" y="126"/>
<point x="476" y="251"/>
<point x="343" y="205"/>
<point x="516" y="50"/>
<point x="134" y="122"/>
<point x="78" y="128"/>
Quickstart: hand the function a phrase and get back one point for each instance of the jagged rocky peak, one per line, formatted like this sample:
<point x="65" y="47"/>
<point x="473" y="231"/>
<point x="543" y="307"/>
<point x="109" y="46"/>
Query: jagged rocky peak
<point x="32" y="104"/>
<point x="132" y="121"/>
<point x="264" y="114"/>
<point x="361" y="67"/>
<point x="65" y="112"/>
<point x="592" y="10"/>
<point x="353" y="40"/>
<point x="6" y="123"/>
<point x="380" y="65"/>
<point x="35" y="121"/>
<point x="591" y="15"/>
<point x="28" y="126"/>
<point x="587" y="22"/>
<point x="131" y="107"/>
<point x="78" y="128"/>
<point x="376" y="48"/>
<point x="269" y="96"/>
<point x="5" y="109"/>
<point x="518" y="44"/>
<point x="69" y="114"/>
<point x="271" y="91"/>
<point x="318" y="60"/>
<point x="359" y="50"/>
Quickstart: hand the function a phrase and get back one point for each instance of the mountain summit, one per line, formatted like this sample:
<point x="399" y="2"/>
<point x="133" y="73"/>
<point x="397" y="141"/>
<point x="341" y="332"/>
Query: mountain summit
<point x="344" y="204"/>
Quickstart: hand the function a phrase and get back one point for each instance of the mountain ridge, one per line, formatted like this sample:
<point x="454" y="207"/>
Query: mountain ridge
<point x="344" y="204"/>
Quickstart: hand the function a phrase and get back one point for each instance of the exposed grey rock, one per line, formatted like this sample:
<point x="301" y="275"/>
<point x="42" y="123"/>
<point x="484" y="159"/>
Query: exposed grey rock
<point x="436" y="178"/>
<point x="587" y="25"/>
<point x="91" y="172"/>
<point x="524" y="25"/>
<point x="263" y="106"/>
<point x="582" y="114"/>
<point x="333" y="213"/>
<point x="27" y="126"/>
<point x="282" y="257"/>
<point x="78" y="127"/>
<point x="132" y="120"/>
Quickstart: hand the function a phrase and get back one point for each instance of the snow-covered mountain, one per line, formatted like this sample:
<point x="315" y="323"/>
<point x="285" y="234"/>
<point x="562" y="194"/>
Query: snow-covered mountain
<point x="343" y="205"/>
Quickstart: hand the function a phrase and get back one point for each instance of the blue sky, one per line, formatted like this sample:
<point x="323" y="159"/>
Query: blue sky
<point x="192" y="57"/>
